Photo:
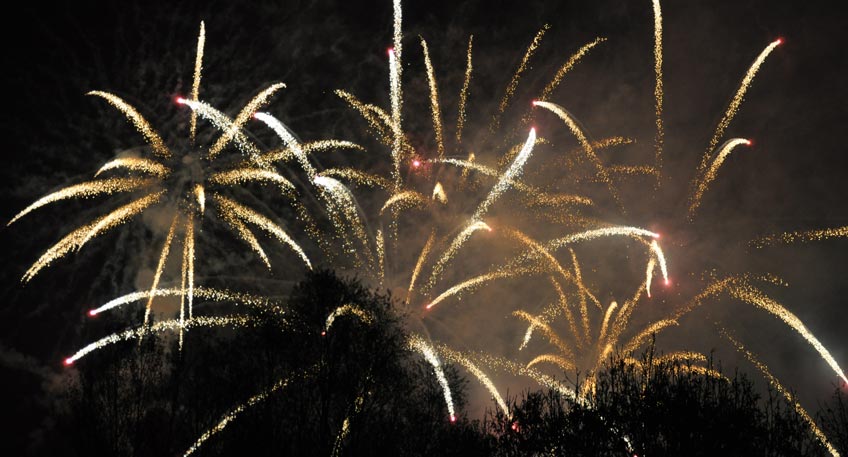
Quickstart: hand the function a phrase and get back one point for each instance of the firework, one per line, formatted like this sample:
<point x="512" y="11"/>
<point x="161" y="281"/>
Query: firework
<point x="422" y="180"/>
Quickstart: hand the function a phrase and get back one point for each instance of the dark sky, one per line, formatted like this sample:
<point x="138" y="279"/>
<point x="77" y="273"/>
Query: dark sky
<point x="792" y="179"/>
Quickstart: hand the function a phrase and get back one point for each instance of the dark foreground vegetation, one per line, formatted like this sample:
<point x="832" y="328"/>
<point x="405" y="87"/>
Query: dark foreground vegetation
<point x="150" y="399"/>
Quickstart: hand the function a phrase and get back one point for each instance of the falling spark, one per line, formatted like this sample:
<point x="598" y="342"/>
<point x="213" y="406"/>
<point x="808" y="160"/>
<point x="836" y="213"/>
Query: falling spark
<point x="458" y="357"/>
<point x="241" y="176"/>
<point x="547" y="331"/>
<point x="222" y="122"/>
<point x="559" y="361"/>
<point x="233" y="414"/>
<point x="660" y="256"/>
<point x="205" y="293"/>
<point x="358" y="177"/>
<point x="405" y="200"/>
<point x="200" y="197"/>
<point x="381" y="255"/>
<point x="649" y="274"/>
<point x="593" y="234"/>
<point x="477" y="282"/>
<point x="161" y="326"/>
<point x="285" y="154"/>
<point x="289" y="139"/>
<point x="396" y="98"/>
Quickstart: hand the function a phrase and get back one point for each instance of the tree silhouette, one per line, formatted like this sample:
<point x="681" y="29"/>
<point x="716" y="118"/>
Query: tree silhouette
<point x="656" y="407"/>
<point x="151" y="399"/>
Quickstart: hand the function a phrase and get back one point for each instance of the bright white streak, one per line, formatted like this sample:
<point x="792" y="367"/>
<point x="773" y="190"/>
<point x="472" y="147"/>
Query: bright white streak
<point x="511" y="174"/>
<point x="424" y="348"/>
<point x="290" y="140"/>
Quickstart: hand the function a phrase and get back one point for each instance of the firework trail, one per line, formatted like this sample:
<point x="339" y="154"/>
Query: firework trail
<point x="458" y="358"/>
<point x="463" y="94"/>
<point x="86" y="190"/>
<point x="434" y="100"/>
<point x="418" y="344"/>
<point x="141" y="124"/>
<point x="513" y="83"/>
<point x="161" y="266"/>
<point x="449" y="253"/>
<point x="584" y="142"/>
<point x="749" y="294"/>
<point x="234" y="413"/>
<point x="243" y="116"/>
<point x="658" y="89"/>
<point x="195" y="84"/>
<point x="786" y="393"/>
<point x="512" y="173"/>
<point x="802" y="236"/>
<point x="348" y="309"/>
<point x="76" y="239"/>
<point x="135" y="164"/>
<point x="733" y="108"/>
<point x="206" y="293"/>
<point x="420" y="263"/>
<point x="161" y="326"/>
<point x="710" y="174"/>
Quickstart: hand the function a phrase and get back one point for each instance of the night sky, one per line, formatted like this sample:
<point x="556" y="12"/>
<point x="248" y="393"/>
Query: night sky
<point x="793" y="178"/>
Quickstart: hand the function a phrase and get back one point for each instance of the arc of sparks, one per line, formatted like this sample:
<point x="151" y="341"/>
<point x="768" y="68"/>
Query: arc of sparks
<point x="736" y="102"/>
<point x="702" y="184"/>
<point x="512" y="173"/>
<point x="141" y="124"/>
<point x="451" y="251"/>
<point x="243" y="116"/>
<point x="136" y="164"/>
<point x="86" y="190"/>
<point x="584" y="142"/>
<point x="76" y="239"/>
<point x="249" y="215"/>
<point x="224" y="123"/>
<point x="421" y="346"/>
<point x="785" y="392"/>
